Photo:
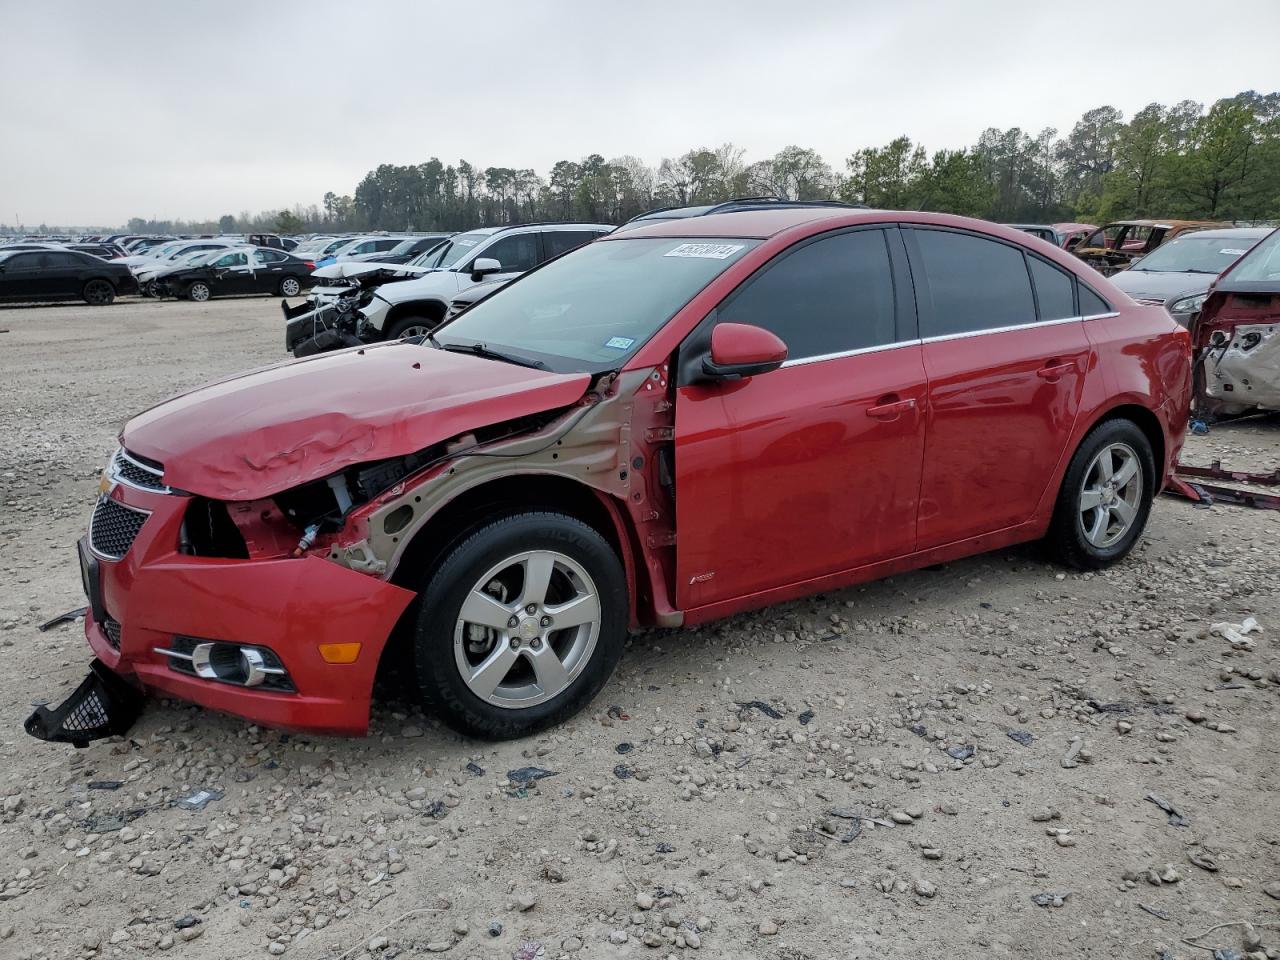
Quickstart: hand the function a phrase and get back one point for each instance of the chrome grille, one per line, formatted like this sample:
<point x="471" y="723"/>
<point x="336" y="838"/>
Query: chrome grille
<point x="136" y="472"/>
<point x="114" y="527"/>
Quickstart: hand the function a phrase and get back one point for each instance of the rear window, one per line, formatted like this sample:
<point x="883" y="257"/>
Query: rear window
<point x="1091" y="305"/>
<point x="1055" y="290"/>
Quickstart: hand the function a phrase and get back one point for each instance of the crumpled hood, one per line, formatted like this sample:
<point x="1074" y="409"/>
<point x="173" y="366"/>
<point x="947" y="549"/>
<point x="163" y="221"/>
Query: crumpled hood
<point x="356" y="268"/>
<point x="263" y="432"/>
<point x="1159" y="285"/>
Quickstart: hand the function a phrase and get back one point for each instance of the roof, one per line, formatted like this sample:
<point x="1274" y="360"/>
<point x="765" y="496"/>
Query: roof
<point x="755" y="224"/>
<point x="1166" y="223"/>
<point x="1237" y="233"/>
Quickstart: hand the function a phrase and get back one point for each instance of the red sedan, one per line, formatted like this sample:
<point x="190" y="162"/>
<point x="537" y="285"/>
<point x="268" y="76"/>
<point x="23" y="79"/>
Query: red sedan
<point x="663" y="427"/>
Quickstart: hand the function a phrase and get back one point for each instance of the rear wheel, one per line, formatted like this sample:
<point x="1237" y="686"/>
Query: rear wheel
<point x="199" y="291"/>
<point x="290" y="287"/>
<point x="98" y="293"/>
<point x="520" y="626"/>
<point x="1105" y="498"/>
<point x="411" y="327"/>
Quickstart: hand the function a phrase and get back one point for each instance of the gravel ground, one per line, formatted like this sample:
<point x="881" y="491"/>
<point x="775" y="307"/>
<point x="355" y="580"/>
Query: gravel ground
<point x="954" y="763"/>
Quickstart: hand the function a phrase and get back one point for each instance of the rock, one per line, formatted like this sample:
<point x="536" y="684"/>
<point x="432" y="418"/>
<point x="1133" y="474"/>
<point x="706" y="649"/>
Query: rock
<point x="1271" y="889"/>
<point x="619" y="936"/>
<point x="925" y="889"/>
<point x="439" y="946"/>
<point x="411" y="731"/>
<point x="767" y="928"/>
<point x="526" y="902"/>
<point x="644" y="901"/>
<point x="901" y="817"/>
<point x="416" y="793"/>
<point x="570" y="944"/>
<point x="377" y="944"/>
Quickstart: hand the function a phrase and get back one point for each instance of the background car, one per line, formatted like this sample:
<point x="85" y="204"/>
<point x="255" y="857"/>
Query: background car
<point x="1064" y="235"/>
<point x="1177" y="274"/>
<point x="242" y="271"/>
<point x="356" y="246"/>
<point x="402" y="252"/>
<point x="39" y="275"/>
<point x="1116" y="245"/>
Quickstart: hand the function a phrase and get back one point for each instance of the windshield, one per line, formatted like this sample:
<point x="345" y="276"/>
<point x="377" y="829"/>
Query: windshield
<point x="594" y="307"/>
<point x="1262" y="264"/>
<point x="1195" y="253"/>
<point x="454" y="249"/>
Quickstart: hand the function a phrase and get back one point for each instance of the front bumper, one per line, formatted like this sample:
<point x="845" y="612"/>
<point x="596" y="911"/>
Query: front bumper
<point x="154" y="594"/>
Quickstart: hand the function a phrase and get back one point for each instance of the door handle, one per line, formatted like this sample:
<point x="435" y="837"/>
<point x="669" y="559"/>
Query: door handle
<point x="890" y="407"/>
<point x="1055" y="370"/>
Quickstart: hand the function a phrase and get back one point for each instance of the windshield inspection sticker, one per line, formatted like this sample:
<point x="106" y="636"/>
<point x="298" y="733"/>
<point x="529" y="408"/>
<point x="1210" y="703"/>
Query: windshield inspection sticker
<point x="707" y="251"/>
<point x="1232" y="252"/>
<point x="620" y="343"/>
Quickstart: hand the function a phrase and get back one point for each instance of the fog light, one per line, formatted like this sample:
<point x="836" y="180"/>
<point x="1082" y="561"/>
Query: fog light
<point x="241" y="664"/>
<point x="339" y="652"/>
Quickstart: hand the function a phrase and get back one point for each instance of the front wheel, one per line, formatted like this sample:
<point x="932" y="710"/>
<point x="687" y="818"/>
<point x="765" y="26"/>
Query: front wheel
<point x="520" y="626"/>
<point x="411" y="327"/>
<point x="199" y="291"/>
<point x="98" y="293"/>
<point x="1105" y="498"/>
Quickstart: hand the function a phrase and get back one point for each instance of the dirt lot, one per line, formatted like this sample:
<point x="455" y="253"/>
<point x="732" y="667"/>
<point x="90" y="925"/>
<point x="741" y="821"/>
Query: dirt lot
<point x="933" y="713"/>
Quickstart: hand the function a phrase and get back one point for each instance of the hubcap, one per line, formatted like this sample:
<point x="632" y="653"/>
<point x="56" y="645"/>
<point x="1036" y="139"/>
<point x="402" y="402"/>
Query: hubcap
<point x="527" y="629"/>
<point x="1111" y="495"/>
<point x="290" y="287"/>
<point x="199" y="292"/>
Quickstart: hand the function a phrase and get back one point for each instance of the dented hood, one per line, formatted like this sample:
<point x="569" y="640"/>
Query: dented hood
<point x="263" y="432"/>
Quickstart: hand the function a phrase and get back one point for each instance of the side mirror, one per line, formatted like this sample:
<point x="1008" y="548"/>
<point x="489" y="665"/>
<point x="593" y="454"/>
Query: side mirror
<point x="741" y="350"/>
<point x="481" y="267"/>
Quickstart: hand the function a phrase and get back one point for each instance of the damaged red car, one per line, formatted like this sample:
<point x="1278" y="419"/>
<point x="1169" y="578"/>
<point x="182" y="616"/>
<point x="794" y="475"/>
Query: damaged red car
<point x="663" y="427"/>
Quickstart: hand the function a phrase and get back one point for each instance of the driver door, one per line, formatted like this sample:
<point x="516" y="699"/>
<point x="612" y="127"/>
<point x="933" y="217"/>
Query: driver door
<point x="814" y="468"/>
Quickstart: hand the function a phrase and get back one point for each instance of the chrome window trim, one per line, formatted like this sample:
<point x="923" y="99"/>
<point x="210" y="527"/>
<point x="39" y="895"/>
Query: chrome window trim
<point x="93" y="516"/>
<point x="1009" y="329"/>
<point x="801" y="361"/>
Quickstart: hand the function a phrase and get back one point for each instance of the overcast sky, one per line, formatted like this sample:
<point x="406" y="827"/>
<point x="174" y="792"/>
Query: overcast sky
<point x="194" y="109"/>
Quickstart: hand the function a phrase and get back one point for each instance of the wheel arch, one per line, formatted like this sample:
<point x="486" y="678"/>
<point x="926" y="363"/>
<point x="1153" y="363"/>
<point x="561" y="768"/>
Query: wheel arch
<point x="458" y="517"/>
<point x="1144" y="419"/>
<point x="431" y="308"/>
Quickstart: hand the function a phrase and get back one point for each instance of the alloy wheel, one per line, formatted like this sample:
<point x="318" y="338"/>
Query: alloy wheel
<point x="417" y="330"/>
<point x="289" y="287"/>
<point x="527" y="629"/>
<point x="1111" y="495"/>
<point x="98" y="292"/>
<point x="199" y="292"/>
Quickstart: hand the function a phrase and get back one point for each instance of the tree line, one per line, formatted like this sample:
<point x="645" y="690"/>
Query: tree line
<point x="1182" y="161"/>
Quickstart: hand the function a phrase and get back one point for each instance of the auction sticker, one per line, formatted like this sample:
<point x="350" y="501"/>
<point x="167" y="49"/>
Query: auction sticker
<point x="706" y="251"/>
<point x="620" y="343"/>
<point x="1232" y="252"/>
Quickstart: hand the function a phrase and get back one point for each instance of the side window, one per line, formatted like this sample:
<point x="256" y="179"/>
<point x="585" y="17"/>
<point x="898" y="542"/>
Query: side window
<point x="829" y="296"/>
<point x="60" y="260"/>
<point x="1054" y="290"/>
<point x="231" y="260"/>
<point x="1091" y="304"/>
<point x="556" y="242"/>
<point x="386" y="243"/>
<point x="518" y="252"/>
<point x="973" y="284"/>
<point x="24" y="261"/>
<point x="271" y="256"/>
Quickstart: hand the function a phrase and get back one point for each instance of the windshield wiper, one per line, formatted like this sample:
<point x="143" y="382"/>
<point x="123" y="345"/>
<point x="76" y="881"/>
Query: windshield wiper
<point x="480" y="350"/>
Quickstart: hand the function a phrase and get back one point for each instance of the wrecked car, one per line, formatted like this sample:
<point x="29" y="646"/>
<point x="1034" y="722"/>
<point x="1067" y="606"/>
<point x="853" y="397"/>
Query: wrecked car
<point x="1113" y="247"/>
<point x="1237" y="336"/>
<point x="239" y="271"/>
<point x="1177" y="275"/>
<point x="668" y="426"/>
<point x="1065" y="235"/>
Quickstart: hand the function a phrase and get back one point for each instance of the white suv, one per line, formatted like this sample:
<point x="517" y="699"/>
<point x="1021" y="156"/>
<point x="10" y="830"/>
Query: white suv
<point x="414" y="307"/>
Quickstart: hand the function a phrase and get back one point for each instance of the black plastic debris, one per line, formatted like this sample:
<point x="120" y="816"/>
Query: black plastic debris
<point x="760" y="705"/>
<point x="526" y="775"/>
<point x="435" y="810"/>
<point x="102" y="706"/>
<point x="623" y="772"/>
<point x="1176" y="819"/>
<point x="1155" y="912"/>
<point x="846" y="813"/>
<point x="1119" y="707"/>
<point x="1050" y="898"/>
<point x="624" y="747"/>
<point x="805" y="717"/>
<point x="495" y="928"/>
<point x="617" y="713"/>
<point x="105" y="784"/>
<point x="918" y="729"/>
<point x="1226" y="953"/>
<point x="185" y="921"/>
<point x="69" y="617"/>
<point x="111" y="822"/>
<point x="664" y="847"/>
<point x="1020" y="736"/>
<point x="476" y="769"/>
<point x="962" y="752"/>
<point x="853" y="833"/>
<point x="200" y="799"/>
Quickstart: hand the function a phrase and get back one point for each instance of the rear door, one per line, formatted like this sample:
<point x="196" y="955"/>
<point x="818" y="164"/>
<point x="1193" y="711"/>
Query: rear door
<point x="62" y="273"/>
<point x="1006" y="363"/>
<point x="814" y="468"/>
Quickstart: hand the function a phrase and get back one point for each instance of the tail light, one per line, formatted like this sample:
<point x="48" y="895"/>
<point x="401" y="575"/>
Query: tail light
<point x="310" y="264"/>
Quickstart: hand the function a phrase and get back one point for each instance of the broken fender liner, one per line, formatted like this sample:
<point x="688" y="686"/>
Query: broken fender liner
<point x="102" y="706"/>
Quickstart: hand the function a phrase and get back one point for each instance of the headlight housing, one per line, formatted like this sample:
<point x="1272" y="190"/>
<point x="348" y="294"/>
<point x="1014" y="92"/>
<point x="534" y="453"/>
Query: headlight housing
<point x="1190" y="304"/>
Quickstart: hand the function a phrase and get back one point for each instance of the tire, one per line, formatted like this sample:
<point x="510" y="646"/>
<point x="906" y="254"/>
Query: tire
<point x="541" y="670"/>
<point x="1105" y="498"/>
<point x="98" y="293"/>
<point x="289" y="287"/>
<point x="411" y="327"/>
<point x="199" y="292"/>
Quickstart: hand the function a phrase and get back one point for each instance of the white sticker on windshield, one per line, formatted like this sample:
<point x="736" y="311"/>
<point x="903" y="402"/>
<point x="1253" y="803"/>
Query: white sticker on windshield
<point x="620" y="343"/>
<point x="707" y="251"/>
<point x="467" y="243"/>
<point x="1232" y="252"/>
